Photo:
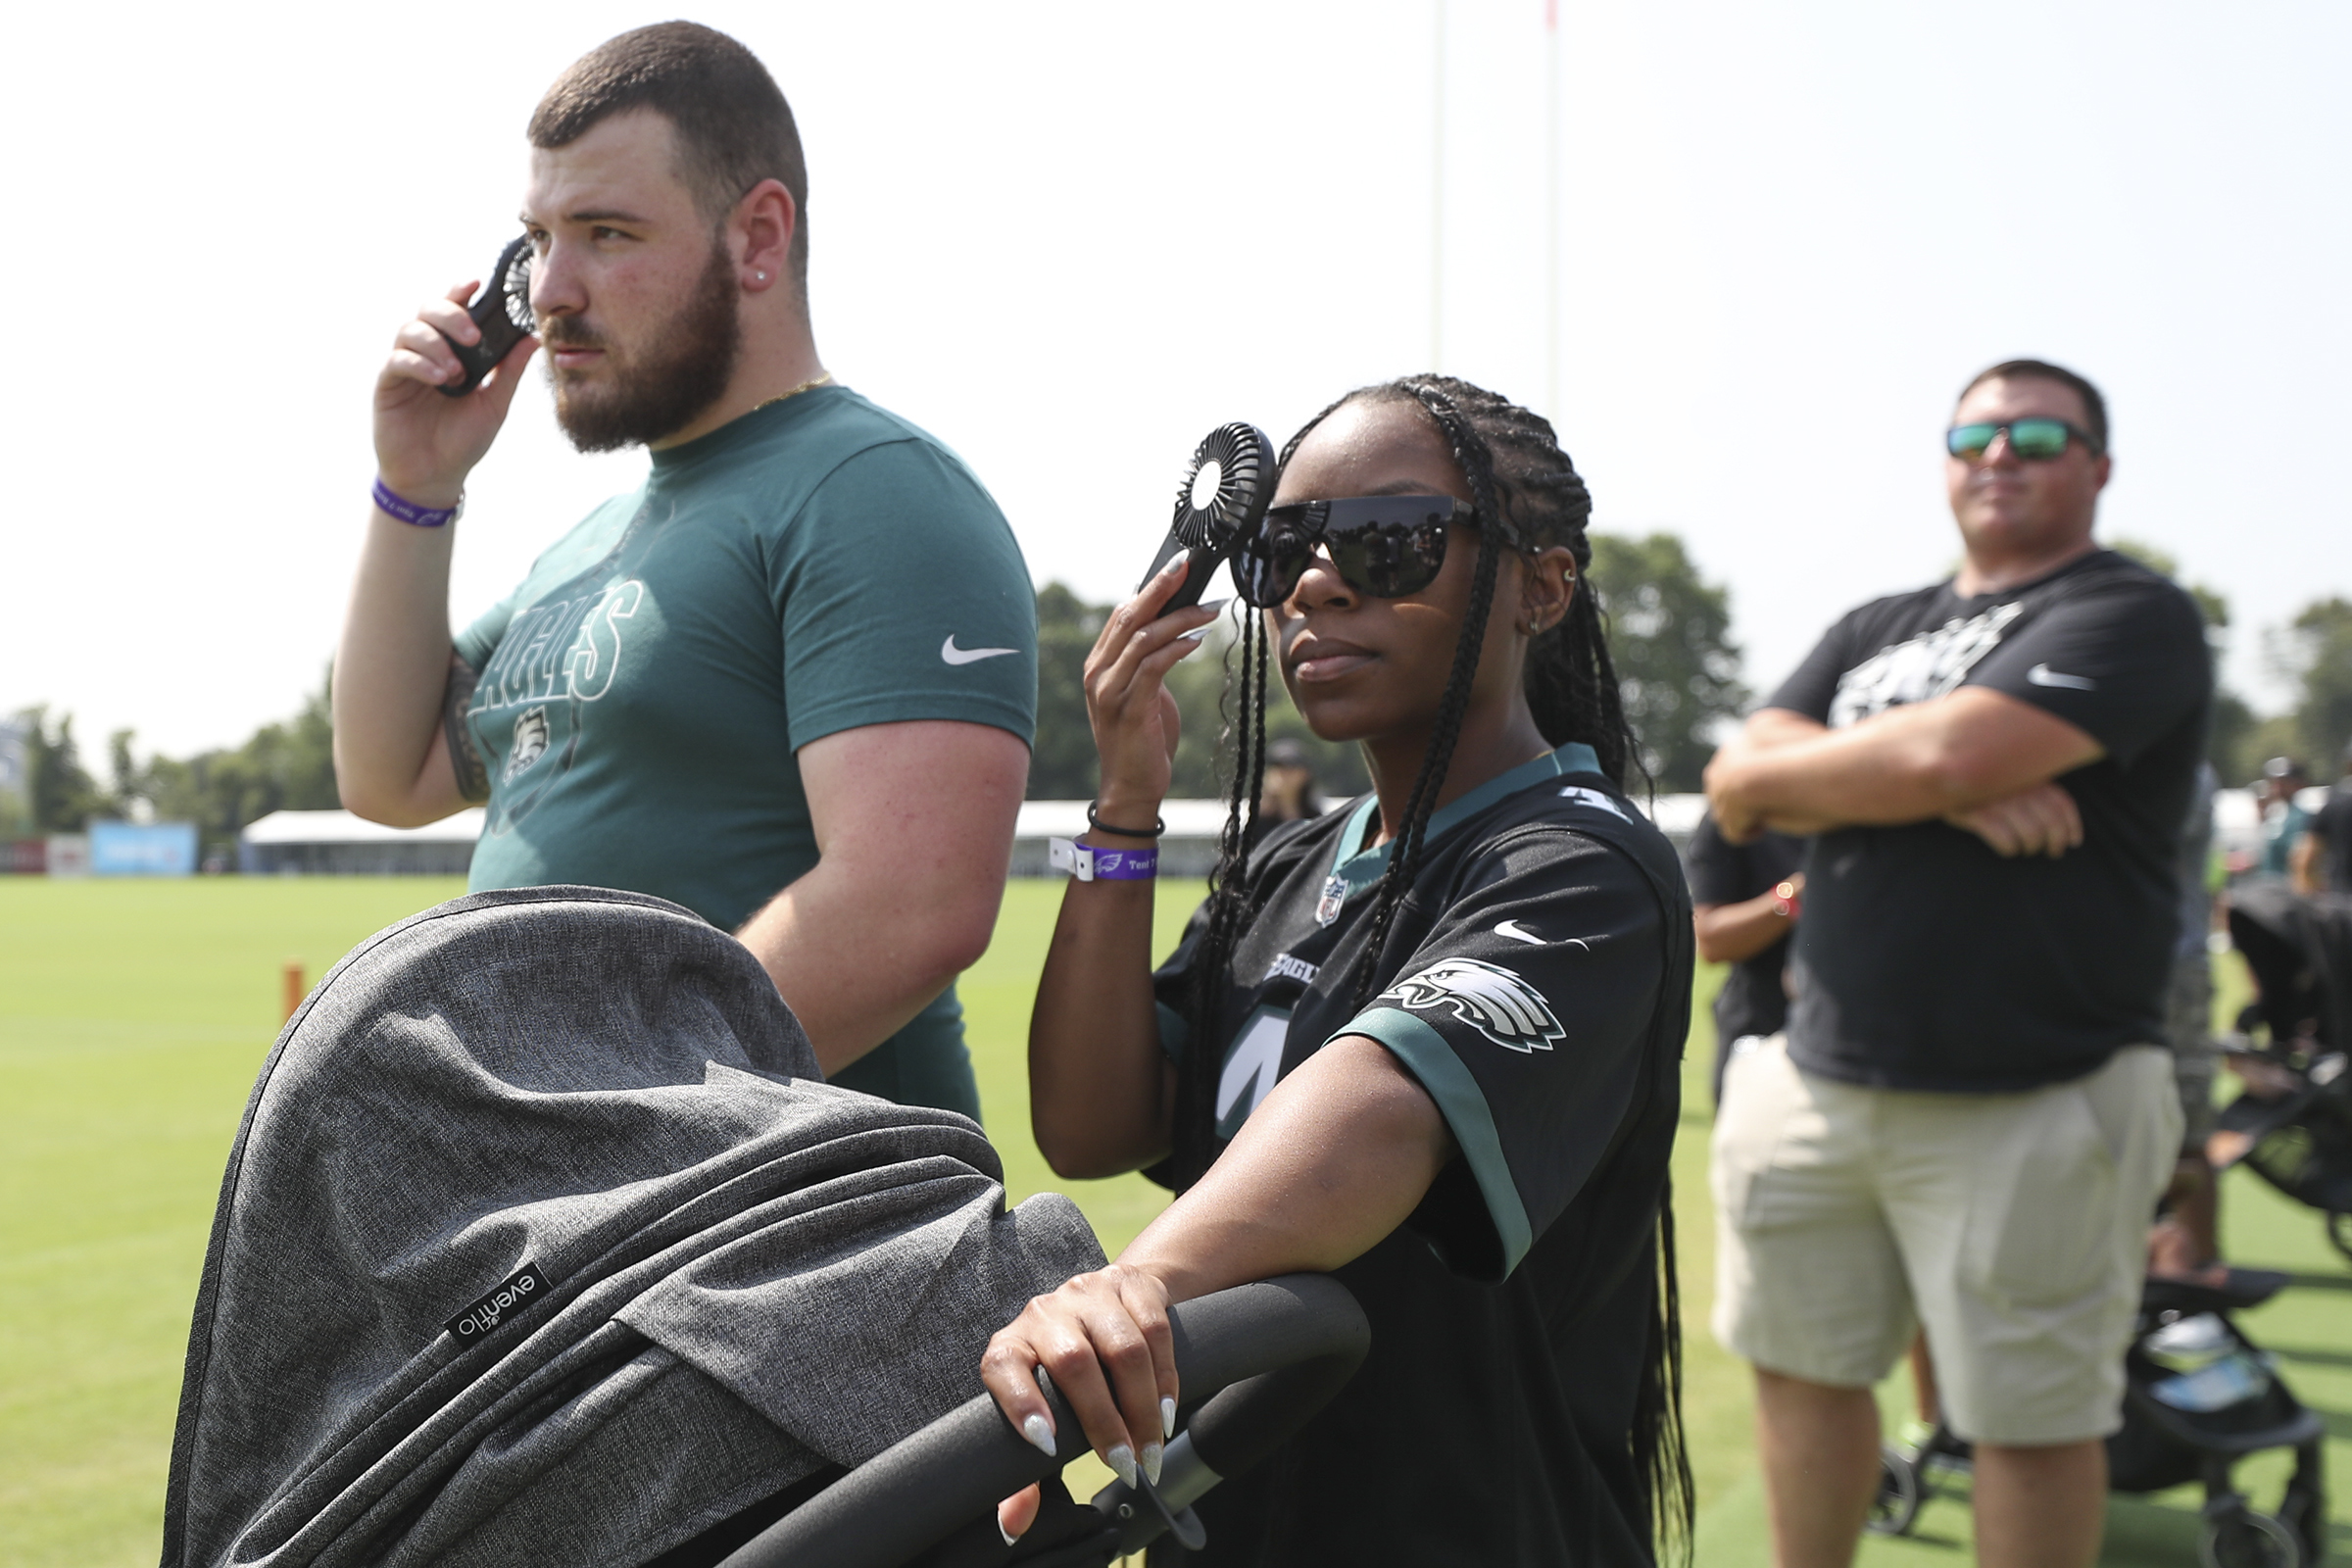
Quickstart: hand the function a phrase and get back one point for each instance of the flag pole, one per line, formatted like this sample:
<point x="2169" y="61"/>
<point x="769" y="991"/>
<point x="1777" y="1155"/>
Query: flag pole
<point x="1551" y="208"/>
<point x="1436" y="191"/>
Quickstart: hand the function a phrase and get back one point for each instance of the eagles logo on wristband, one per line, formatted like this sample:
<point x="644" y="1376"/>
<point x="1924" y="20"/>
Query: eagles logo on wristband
<point x="1090" y="864"/>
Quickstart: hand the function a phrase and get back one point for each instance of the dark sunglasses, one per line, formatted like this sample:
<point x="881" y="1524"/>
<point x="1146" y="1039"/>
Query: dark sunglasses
<point x="1384" y="546"/>
<point x="2034" y="440"/>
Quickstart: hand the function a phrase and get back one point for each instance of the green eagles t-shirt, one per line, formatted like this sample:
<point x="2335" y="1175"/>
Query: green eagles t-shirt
<point x="813" y="567"/>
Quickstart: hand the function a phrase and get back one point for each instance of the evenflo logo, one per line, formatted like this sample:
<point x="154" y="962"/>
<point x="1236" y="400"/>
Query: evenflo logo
<point x="515" y="1290"/>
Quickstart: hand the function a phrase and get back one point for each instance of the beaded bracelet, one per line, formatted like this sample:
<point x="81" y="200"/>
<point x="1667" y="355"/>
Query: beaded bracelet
<point x="1159" y="825"/>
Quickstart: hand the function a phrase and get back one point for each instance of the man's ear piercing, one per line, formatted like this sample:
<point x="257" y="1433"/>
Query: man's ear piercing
<point x="759" y="278"/>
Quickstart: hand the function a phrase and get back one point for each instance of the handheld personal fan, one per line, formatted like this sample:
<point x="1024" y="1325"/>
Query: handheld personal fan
<point x="1223" y="496"/>
<point x="503" y="312"/>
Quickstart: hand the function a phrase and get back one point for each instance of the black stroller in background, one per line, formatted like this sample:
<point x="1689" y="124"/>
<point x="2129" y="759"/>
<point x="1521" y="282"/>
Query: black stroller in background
<point x="542" y="1240"/>
<point x="2294" y="1125"/>
<point x="2199" y="1396"/>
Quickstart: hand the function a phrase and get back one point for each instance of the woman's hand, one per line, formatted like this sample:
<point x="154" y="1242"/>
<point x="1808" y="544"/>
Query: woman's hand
<point x="1127" y="699"/>
<point x="1104" y="1339"/>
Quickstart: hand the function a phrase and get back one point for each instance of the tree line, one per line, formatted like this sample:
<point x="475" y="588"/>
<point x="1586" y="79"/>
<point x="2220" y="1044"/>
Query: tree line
<point x="1669" y="633"/>
<point x="286" y="766"/>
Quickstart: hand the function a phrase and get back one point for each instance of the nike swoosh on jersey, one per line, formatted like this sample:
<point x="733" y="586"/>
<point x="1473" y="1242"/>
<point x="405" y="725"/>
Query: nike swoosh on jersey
<point x="1517" y="932"/>
<point x="950" y="654"/>
<point x="2044" y="675"/>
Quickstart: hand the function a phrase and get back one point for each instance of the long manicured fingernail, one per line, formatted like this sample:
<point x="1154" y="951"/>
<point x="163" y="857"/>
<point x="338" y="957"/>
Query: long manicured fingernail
<point x="1167" y="1418"/>
<point x="1176" y="562"/>
<point x="1152" y="1458"/>
<point x="1122" y="1459"/>
<point x="1040" y="1432"/>
<point x="1216" y="604"/>
<point x="1010" y="1537"/>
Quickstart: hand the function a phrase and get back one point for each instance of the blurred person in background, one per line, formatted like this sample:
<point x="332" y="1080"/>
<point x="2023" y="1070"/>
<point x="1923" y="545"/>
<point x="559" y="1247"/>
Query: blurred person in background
<point x="1746" y="900"/>
<point x="1970" y="1116"/>
<point x="2186" y="1244"/>
<point x="2323" y="860"/>
<point x="787" y="682"/>
<point x="2283" y="820"/>
<point x="1289" y="795"/>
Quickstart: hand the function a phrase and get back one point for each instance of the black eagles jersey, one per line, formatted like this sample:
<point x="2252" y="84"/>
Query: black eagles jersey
<point x="1538" y="986"/>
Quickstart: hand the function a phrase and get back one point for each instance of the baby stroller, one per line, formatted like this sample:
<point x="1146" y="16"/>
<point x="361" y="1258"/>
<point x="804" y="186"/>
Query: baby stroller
<point x="542" y="1239"/>
<point x="2199" y="1396"/>
<point x="2293" y="1124"/>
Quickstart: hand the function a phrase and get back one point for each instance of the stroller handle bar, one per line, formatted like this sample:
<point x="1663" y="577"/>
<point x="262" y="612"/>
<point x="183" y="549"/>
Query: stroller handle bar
<point x="1271" y="1353"/>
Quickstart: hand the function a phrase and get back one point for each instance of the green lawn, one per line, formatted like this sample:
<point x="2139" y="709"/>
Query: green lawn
<point x="132" y="1015"/>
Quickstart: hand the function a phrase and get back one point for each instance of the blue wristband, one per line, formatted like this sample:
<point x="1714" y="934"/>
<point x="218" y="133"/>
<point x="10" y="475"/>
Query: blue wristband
<point x="1090" y="864"/>
<point x="393" y="505"/>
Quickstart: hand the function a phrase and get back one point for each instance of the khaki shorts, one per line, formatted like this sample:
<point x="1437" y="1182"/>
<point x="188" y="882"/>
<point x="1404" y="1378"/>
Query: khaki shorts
<point x="2014" y="1226"/>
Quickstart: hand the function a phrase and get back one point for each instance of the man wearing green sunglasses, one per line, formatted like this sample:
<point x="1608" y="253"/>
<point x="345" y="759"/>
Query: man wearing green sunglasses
<point x="1969" y="1115"/>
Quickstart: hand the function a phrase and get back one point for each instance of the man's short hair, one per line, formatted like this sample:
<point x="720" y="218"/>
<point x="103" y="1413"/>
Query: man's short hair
<point x="2094" y="407"/>
<point x="734" y="128"/>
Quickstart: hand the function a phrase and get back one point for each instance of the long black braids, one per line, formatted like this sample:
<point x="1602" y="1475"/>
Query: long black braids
<point x="1528" y="497"/>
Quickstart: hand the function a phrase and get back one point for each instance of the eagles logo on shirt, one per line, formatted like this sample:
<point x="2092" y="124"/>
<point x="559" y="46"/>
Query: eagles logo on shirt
<point x="1492" y="1001"/>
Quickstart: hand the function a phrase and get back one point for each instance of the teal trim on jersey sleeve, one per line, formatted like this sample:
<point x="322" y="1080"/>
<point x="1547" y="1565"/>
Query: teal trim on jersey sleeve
<point x="1425" y="1054"/>
<point x="1175" y="1033"/>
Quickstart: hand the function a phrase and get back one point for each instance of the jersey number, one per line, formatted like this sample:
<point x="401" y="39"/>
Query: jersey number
<point x="1251" y="1069"/>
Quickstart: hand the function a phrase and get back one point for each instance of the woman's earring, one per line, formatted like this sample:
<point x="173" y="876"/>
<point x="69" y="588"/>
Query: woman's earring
<point x="759" y="278"/>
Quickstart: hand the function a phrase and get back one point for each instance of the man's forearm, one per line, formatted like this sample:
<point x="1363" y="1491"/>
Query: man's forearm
<point x="1733" y="933"/>
<point x="856" y="954"/>
<point x="391" y="669"/>
<point x="1913" y="763"/>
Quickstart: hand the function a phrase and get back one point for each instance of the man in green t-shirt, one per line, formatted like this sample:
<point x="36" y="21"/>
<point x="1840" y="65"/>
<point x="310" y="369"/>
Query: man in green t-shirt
<point x="789" y="681"/>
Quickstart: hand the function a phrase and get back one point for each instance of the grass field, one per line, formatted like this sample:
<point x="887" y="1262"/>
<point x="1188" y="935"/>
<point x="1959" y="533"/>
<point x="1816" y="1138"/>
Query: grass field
<point x="132" y="1015"/>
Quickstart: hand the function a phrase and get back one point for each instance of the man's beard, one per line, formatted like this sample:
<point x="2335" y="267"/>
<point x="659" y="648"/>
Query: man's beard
<point x="661" y="386"/>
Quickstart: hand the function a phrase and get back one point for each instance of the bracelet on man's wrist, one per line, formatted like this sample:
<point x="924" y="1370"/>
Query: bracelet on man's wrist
<point x="392" y="504"/>
<point x="1159" y="825"/>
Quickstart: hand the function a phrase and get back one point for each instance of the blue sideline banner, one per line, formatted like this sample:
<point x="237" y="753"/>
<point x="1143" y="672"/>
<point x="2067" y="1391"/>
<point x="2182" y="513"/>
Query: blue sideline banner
<point x="126" y="849"/>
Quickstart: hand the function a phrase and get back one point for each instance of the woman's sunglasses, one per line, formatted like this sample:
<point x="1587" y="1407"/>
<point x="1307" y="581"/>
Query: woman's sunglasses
<point x="2032" y="440"/>
<point x="1384" y="546"/>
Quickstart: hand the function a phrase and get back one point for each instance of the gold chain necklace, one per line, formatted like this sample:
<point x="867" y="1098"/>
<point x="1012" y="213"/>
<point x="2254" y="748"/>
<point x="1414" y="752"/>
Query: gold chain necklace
<point x="812" y="383"/>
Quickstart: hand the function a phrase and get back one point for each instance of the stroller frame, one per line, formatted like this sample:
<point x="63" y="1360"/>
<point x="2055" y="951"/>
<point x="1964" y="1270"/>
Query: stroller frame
<point x="2158" y="1447"/>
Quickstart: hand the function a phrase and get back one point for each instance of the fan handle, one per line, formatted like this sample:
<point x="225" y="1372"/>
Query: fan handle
<point x="491" y="317"/>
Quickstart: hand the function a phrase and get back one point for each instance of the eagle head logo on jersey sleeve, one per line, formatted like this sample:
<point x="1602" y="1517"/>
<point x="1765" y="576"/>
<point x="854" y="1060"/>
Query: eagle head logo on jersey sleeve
<point x="1492" y="1001"/>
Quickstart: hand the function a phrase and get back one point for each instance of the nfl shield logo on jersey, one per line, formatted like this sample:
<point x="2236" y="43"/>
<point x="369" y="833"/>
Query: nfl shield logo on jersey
<point x="1491" y="1000"/>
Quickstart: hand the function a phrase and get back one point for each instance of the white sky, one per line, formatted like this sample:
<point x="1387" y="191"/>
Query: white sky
<point x="1070" y="238"/>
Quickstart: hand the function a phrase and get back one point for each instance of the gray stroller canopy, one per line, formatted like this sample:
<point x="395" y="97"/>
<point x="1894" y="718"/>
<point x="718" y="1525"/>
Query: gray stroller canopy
<point x="542" y="1240"/>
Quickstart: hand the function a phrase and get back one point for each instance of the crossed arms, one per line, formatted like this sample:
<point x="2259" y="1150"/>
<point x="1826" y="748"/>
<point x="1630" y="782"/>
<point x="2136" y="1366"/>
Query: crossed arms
<point x="1977" y="759"/>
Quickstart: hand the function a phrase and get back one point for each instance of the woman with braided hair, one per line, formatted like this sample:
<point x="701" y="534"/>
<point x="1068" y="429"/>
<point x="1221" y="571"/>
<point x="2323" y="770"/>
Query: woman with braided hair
<point x="1428" y="1042"/>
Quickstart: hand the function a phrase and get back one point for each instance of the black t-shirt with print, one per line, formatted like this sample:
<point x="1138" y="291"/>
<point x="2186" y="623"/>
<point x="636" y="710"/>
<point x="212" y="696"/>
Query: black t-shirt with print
<point x="1752" y="1001"/>
<point x="1538" y="986"/>
<point x="1927" y="961"/>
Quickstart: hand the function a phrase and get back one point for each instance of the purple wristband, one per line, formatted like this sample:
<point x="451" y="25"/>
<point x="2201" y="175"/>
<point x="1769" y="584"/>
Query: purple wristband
<point x="1126" y="865"/>
<point x="410" y="512"/>
<point x="1090" y="864"/>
